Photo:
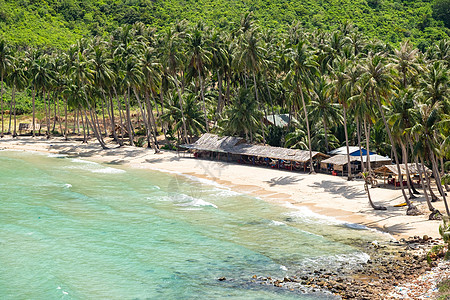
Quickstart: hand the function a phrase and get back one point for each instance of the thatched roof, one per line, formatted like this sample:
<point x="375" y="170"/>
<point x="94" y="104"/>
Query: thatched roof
<point x="276" y="152"/>
<point x="339" y="160"/>
<point x="236" y="145"/>
<point x="215" y="143"/>
<point x="392" y="169"/>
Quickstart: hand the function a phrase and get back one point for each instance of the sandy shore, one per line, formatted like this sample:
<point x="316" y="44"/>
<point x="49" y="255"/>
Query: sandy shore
<point x="323" y="194"/>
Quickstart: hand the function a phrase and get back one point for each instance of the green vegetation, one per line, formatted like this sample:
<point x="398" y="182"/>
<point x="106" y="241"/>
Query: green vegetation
<point x="343" y="89"/>
<point x="59" y="23"/>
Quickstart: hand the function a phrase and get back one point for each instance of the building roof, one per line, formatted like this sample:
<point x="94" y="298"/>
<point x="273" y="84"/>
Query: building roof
<point x="340" y="160"/>
<point x="392" y="169"/>
<point x="215" y="143"/>
<point x="236" y="145"/>
<point x="354" y="151"/>
<point x="282" y="120"/>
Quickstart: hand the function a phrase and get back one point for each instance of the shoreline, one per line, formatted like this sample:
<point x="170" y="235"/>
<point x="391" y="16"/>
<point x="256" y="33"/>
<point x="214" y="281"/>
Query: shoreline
<point x="383" y="276"/>
<point x="323" y="194"/>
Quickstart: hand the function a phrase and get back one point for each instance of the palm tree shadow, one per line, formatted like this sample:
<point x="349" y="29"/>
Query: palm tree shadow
<point x="283" y="180"/>
<point x="339" y="188"/>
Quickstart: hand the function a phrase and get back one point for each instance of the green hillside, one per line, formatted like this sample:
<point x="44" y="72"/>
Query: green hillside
<point x="61" y="22"/>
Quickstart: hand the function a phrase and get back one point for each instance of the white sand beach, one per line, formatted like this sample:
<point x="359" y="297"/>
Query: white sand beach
<point x="323" y="194"/>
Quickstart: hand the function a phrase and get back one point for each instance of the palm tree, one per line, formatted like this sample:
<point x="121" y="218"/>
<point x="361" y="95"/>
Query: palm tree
<point x="18" y="81"/>
<point x="5" y="63"/>
<point x="173" y="59"/>
<point x="378" y="83"/>
<point x="322" y="109"/>
<point x="302" y="68"/>
<point x="199" y="57"/>
<point x="242" y="117"/>
<point x="343" y="93"/>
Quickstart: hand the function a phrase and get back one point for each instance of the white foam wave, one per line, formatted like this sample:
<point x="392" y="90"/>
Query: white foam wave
<point x="198" y="203"/>
<point x="67" y="185"/>
<point x="82" y="161"/>
<point x="57" y="155"/>
<point x="108" y="170"/>
<point x="350" y="258"/>
<point x="276" y="223"/>
<point x="283" y="268"/>
<point x="305" y="214"/>
<point x="221" y="190"/>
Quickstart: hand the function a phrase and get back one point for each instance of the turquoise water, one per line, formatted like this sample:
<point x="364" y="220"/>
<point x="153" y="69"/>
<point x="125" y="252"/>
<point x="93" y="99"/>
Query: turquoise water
<point x="74" y="229"/>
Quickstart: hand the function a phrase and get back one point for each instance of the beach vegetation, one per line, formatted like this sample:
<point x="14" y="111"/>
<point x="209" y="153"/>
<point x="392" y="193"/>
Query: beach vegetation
<point x="140" y="85"/>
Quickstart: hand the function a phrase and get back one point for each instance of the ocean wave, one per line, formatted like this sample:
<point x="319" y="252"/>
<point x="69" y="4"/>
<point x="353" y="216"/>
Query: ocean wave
<point x="305" y="214"/>
<point x="198" y="203"/>
<point x="354" y="258"/>
<point x="276" y="223"/>
<point x="108" y="170"/>
<point x="82" y="161"/>
<point x="67" y="185"/>
<point x="57" y="155"/>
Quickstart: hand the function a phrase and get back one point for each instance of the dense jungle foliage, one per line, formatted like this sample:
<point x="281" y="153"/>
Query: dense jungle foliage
<point x="59" y="23"/>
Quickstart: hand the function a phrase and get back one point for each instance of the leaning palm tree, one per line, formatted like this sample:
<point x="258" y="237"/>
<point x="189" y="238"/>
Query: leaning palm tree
<point x="17" y="80"/>
<point x="378" y="83"/>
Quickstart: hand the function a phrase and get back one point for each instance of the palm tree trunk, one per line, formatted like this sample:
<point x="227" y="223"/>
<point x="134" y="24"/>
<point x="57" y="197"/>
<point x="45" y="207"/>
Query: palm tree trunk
<point x="152" y="119"/>
<point x="129" y="126"/>
<point x="146" y="120"/>
<point x="412" y="210"/>
<point x="103" y="116"/>
<point x="33" y="96"/>
<point x="367" y="133"/>
<point x="438" y="179"/>
<point x="13" y="98"/>
<point x="271" y="101"/>
<point x="220" y="101"/>
<point x="349" y="165"/>
<point x="311" y="168"/>
<point x="66" y="130"/>
<point x="363" y="168"/>
<point x="325" y="128"/>
<point x="113" y="121"/>
<point x="424" y="175"/>
<point x="203" y="100"/>
<point x="48" y="115"/>
<point x="405" y="162"/>
<point x="259" y="104"/>
<point x="1" y="104"/>
<point x="94" y="127"/>
<point x="10" y="114"/>
<point x="180" y="102"/>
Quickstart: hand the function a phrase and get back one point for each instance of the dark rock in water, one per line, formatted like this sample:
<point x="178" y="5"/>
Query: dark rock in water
<point x="222" y="279"/>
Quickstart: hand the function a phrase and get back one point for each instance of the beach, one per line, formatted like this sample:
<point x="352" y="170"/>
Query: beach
<point x="321" y="194"/>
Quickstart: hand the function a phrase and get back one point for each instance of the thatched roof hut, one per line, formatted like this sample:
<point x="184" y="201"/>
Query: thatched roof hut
<point x="238" y="146"/>
<point x="339" y="160"/>
<point x="215" y="143"/>
<point x="392" y="169"/>
<point x="276" y="152"/>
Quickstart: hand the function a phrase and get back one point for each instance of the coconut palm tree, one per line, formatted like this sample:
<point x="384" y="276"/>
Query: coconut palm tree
<point x="323" y="109"/>
<point x="5" y="63"/>
<point x="303" y="66"/>
<point x="378" y="83"/>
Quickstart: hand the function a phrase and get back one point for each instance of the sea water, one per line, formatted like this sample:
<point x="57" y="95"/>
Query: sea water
<point x="75" y="229"/>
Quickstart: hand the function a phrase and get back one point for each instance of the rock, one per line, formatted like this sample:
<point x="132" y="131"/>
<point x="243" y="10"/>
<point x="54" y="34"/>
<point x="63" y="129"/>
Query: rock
<point x="222" y="279"/>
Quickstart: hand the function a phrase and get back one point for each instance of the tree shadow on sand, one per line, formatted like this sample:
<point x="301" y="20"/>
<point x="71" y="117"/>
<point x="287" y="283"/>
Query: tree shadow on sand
<point x="339" y="188"/>
<point x="283" y="180"/>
